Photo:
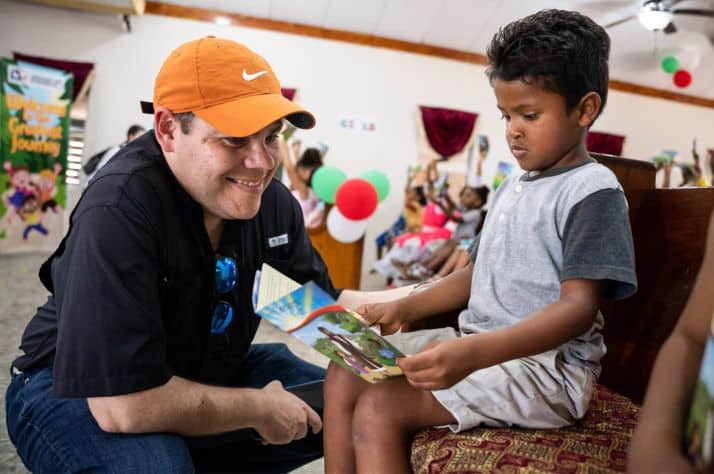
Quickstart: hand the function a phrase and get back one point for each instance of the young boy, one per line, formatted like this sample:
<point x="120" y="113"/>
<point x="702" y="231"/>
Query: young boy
<point x="557" y="238"/>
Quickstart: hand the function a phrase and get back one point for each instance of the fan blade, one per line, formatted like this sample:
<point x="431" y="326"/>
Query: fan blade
<point x="693" y="11"/>
<point x="620" y="21"/>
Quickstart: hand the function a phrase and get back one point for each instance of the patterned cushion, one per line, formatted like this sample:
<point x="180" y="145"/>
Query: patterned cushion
<point x="596" y="444"/>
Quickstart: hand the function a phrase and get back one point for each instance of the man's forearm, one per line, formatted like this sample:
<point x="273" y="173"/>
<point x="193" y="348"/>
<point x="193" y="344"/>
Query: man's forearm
<point x="179" y="406"/>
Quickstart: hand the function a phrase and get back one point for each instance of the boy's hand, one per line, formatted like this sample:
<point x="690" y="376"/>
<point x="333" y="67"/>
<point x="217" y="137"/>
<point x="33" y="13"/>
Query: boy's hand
<point x="287" y="418"/>
<point x="440" y="365"/>
<point x="387" y="315"/>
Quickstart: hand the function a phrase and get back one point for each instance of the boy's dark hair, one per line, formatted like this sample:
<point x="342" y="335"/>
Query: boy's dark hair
<point x="563" y="51"/>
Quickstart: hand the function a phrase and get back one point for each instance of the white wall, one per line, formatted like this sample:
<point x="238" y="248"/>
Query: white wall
<point x="333" y="79"/>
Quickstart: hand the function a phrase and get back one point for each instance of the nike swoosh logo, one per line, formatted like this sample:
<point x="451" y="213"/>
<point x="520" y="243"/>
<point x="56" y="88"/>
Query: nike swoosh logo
<point x="251" y="77"/>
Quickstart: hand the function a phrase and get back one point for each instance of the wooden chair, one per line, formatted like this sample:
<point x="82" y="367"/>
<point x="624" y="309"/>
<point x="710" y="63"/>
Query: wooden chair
<point x="344" y="261"/>
<point x="669" y="230"/>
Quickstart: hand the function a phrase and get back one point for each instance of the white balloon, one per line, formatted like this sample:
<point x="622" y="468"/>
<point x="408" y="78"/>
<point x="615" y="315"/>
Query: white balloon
<point x="343" y="229"/>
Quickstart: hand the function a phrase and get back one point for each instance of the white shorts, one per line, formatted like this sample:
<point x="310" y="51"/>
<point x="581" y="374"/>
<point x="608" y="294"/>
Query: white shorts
<point x="540" y="391"/>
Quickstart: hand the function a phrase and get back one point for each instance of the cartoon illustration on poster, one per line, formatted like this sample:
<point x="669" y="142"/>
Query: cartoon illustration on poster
<point x="34" y="134"/>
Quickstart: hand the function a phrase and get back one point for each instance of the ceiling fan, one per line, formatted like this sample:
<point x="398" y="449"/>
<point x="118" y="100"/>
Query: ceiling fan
<point x="656" y="15"/>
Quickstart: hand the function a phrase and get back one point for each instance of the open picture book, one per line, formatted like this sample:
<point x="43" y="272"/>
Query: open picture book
<point x="311" y="315"/>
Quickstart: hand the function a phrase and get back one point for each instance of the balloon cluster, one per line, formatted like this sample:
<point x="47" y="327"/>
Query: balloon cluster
<point x="354" y="199"/>
<point x="681" y="77"/>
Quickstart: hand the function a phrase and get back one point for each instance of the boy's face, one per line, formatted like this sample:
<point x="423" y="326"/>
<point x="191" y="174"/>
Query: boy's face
<point x="540" y="132"/>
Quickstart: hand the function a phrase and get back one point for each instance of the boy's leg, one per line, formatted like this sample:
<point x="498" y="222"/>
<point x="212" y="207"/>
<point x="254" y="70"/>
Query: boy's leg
<point x="61" y="435"/>
<point x="342" y="389"/>
<point x="385" y="417"/>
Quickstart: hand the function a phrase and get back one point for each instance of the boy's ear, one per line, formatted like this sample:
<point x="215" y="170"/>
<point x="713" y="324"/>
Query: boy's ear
<point x="588" y="108"/>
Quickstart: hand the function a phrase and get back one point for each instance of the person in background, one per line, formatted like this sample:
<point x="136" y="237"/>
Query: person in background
<point x="657" y="445"/>
<point x="97" y="161"/>
<point x="300" y="174"/>
<point x="453" y="253"/>
<point x="410" y="220"/>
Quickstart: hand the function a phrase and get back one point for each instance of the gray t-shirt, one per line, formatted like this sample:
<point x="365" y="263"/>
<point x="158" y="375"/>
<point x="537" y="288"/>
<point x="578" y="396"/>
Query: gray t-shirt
<point x="542" y="229"/>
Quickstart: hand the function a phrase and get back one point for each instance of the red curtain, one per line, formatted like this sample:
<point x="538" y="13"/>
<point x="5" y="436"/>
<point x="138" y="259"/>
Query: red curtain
<point x="599" y="142"/>
<point x="80" y="70"/>
<point x="288" y="93"/>
<point x="448" y="131"/>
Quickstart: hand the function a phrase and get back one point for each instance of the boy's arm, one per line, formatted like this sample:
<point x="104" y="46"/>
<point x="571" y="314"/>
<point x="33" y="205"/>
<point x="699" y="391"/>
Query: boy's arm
<point x="598" y="261"/>
<point x="444" y="364"/>
<point x="656" y="446"/>
<point x="448" y="294"/>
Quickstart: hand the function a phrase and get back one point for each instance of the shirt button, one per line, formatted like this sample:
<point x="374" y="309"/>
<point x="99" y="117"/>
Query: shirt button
<point x="519" y="188"/>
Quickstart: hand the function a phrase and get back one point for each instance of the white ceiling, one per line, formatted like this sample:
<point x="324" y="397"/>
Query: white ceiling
<point x="469" y="25"/>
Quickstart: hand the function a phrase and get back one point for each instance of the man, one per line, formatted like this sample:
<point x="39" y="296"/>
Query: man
<point x="97" y="162"/>
<point x="141" y="359"/>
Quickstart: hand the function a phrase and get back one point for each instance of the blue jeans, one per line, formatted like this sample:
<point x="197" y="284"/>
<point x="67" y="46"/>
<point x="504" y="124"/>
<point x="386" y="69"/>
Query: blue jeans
<point x="61" y="435"/>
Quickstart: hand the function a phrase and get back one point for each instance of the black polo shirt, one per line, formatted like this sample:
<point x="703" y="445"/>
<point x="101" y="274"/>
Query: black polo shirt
<point x="132" y="282"/>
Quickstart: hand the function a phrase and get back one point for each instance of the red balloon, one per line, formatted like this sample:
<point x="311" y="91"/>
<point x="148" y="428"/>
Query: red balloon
<point x="356" y="199"/>
<point x="682" y="78"/>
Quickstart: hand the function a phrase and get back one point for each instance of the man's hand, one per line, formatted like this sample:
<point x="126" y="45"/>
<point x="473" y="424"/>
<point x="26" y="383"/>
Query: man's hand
<point x="388" y="315"/>
<point x="286" y="418"/>
<point x="440" y="365"/>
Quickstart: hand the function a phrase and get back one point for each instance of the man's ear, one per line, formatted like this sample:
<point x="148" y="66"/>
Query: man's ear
<point x="165" y="128"/>
<point x="588" y="108"/>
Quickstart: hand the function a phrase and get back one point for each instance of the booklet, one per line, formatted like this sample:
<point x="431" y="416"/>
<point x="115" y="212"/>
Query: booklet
<point x="311" y="315"/>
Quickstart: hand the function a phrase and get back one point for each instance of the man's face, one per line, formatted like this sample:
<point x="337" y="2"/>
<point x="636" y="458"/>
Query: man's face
<point x="540" y="132"/>
<point x="226" y="175"/>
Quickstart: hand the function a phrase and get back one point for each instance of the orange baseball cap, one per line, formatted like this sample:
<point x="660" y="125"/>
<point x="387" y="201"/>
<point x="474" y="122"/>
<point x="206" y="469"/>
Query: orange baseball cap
<point x="226" y="84"/>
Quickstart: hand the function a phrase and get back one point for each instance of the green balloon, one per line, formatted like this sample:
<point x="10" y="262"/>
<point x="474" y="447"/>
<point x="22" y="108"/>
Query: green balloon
<point x="670" y="64"/>
<point x="380" y="182"/>
<point x="325" y="182"/>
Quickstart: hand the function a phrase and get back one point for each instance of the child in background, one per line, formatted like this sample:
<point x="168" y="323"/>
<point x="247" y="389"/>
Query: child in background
<point x="411" y="246"/>
<point x="659" y="437"/>
<point x="467" y="216"/>
<point x="300" y="175"/>
<point x="556" y="240"/>
<point x="410" y="220"/>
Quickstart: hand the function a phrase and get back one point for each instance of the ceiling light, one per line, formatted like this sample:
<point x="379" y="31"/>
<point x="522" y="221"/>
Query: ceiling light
<point x="222" y="21"/>
<point x="653" y="16"/>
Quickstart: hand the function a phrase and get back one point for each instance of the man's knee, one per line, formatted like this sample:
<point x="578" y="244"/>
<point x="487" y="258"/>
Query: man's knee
<point x="152" y="452"/>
